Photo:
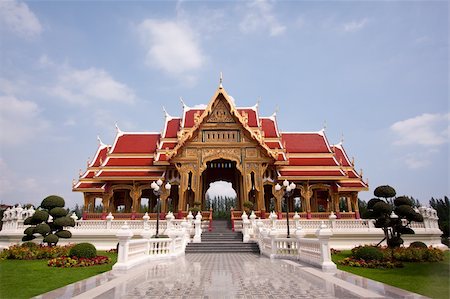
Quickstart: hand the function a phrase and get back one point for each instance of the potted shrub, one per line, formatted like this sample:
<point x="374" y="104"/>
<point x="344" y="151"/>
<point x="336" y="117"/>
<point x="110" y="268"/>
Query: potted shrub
<point x="248" y="206"/>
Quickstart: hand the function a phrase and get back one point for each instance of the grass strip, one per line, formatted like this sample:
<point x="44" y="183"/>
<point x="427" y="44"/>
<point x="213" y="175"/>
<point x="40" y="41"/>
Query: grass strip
<point x="28" y="278"/>
<point x="428" y="279"/>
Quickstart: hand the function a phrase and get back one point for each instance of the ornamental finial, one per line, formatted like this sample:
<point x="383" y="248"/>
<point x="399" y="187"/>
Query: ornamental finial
<point x="220" y="80"/>
<point x="342" y="138"/>
<point x="100" y="143"/>
<point x="361" y="172"/>
<point x="80" y="173"/>
<point x="166" y="115"/>
<point x="117" y="128"/>
<point x="324" y="125"/>
<point x="183" y="103"/>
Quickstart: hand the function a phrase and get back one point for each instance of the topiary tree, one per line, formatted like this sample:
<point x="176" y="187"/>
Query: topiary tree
<point x="49" y="221"/>
<point x="394" y="219"/>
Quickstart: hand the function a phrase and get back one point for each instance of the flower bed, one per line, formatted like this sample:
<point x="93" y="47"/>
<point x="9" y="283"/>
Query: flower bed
<point x="34" y="252"/>
<point x="390" y="258"/>
<point x="70" y="262"/>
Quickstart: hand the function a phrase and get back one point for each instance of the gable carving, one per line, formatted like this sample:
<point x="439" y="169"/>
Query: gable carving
<point x="220" y="114"/>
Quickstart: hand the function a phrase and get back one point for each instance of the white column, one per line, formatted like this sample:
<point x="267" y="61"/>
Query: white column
<point x="124" y="235"/>
<point x="324" y="234"/>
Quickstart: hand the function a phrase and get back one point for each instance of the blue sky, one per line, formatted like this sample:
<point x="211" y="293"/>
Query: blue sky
<point x="374" y="72"/>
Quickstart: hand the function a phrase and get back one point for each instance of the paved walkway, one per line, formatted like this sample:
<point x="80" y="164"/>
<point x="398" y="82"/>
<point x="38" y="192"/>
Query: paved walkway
<point x="227" y="276"/>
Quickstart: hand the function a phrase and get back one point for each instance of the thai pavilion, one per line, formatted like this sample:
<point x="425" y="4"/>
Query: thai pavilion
<point x="227" y="143"/>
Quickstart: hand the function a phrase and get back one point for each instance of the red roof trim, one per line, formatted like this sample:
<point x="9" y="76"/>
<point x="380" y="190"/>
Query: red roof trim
<point x="313" y="162"/>
<point x="103" y="174"/>
<point x="312" y="173"/>
<point x="122" y="161"/>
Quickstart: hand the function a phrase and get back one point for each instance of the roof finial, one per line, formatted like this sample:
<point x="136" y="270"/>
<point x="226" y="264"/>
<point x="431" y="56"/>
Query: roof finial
<point x="324" y="125"/>
<point x="353" y="161"/>
<point x="88" y="162"/>
<point x="183" y="103"/>
<point x="258" y="101"/>
<point x="166" y="115"/>
<point x="221" y="80"/>
<point x="73" y="183"/>
<point x="100" y="143"/>
<point x="80" y="173"/>
<point x="117" y="128"/>
<point x="361" y="172"/>
<point x="342" y="138"/>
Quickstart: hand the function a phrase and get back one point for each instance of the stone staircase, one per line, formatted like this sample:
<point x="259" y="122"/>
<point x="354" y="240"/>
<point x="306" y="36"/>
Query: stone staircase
<point x="221" y="239"/>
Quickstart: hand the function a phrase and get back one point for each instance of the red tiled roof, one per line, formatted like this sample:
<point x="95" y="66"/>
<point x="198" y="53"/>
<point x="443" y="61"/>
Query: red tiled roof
<point x="312" y="162"/>
<point x="341" y="156"/>
<point x="305" y="143"/>
<point x="268" y="126"/>
<point x="89" y="174"/>
<point x="307" y="173"/>
<point x="162" y="157"/>
<point x="252" y="117"/>
<point x="172" y="127"/>
<point x="129" y="162"/>
<point x="189" y="117"/>
<point x="352" y="174"/>
<point x="136" y="143"/>
<point x="273" y="145"/>
<point x="130" y="174"/>
<point x="169" y="145"/>
<point x="100" y="156"/>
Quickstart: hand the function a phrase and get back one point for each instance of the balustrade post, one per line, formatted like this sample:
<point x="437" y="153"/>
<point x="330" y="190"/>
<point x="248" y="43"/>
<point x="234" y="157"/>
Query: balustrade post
<point x="273" y="218"/>
<point x="324" y="234"/>
<point x="190" y="217"/>
<point x="109" y="220"/>
<point x="124" y="235"/>
<point x="185" y="229"/>
<point x="273" y="243"/>
<point x="198" y="228"/>
<point x="296" y="219"/>
<point x="169" y="218"/>
<point x="253" y="223"/>
<point x="332" y="218"/>
<point x="245" y="224"/>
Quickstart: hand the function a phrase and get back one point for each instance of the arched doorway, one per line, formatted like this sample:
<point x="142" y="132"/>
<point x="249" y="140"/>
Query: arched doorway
<point x="220" y="197"/>
<point x="225" y="171"/>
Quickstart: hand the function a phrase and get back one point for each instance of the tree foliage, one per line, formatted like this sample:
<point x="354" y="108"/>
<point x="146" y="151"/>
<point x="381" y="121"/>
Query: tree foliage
<point x="442" y="207"/>
<point x="392" y="215"/>
<point x="49" y="221"/>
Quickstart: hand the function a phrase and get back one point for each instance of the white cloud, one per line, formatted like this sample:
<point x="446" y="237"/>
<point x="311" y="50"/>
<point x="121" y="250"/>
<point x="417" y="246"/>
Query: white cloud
<point x="425" y="130"/>
<point x="221" y="189"/>
<point x="90" y="85"/>
<point x="20" y="120"/>
<point x="414" y="161"/>
<point x="355" y="26"/>
<point x="260" y="17"/>
<point x="171" y="46"/>
<point x="18" y="18"/>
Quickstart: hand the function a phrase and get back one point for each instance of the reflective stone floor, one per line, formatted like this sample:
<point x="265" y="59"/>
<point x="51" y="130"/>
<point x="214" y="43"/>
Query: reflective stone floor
<point x="227" y="276"/>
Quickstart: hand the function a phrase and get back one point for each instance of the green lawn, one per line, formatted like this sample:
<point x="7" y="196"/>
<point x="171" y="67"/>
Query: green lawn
<point x="25" y="279"/>
<point x="429" y="279"/>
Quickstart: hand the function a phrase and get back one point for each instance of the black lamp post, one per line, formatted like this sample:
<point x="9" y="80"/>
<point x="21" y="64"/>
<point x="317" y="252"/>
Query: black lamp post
<point x="156" y="186"/>
<point x="289" y="189"/>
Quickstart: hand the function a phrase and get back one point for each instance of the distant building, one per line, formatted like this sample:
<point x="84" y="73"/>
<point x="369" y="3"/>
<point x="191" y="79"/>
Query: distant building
<point x="221" y="142"/>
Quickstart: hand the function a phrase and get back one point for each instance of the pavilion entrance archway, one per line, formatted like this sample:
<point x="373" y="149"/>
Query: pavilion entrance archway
<point x="225" y="171"/>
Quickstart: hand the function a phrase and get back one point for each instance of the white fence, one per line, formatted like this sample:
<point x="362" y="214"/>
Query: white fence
<point x="139" y="251"/>
<point x="314" y="251"/>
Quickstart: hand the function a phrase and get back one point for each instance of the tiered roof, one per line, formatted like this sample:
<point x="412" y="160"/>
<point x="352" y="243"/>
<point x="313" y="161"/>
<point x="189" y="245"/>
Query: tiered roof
<point x="144" y="156"/>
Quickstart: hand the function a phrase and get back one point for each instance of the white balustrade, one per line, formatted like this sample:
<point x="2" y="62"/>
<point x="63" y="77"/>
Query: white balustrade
<point x="139" y="251"/>
<point x="309" y="250"/>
